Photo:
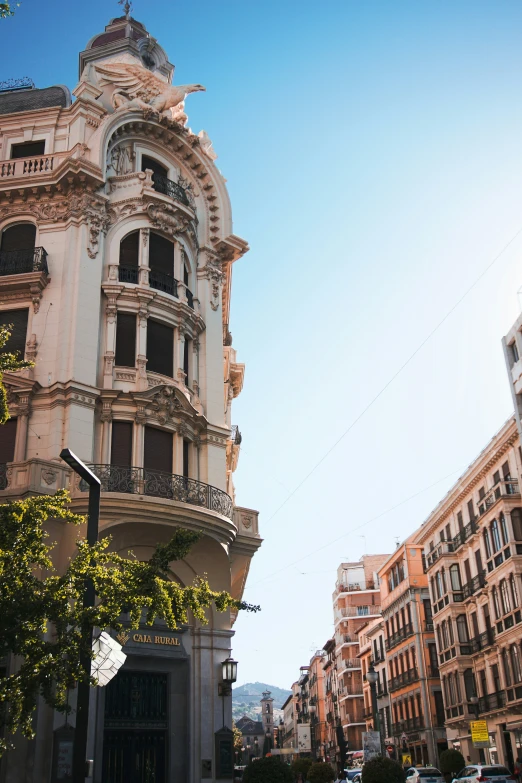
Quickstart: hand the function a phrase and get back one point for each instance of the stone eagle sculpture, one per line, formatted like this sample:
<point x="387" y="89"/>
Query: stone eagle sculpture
<point x="138" y="88"/>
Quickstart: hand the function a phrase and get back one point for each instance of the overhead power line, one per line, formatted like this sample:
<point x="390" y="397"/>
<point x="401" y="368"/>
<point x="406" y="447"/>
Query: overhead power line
<point x="395" y="375"/>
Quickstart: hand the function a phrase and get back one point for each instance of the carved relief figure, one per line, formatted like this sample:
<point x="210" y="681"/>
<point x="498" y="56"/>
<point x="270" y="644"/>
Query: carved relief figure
<point x="122" y="159"/>
<point x="138" y="88"/>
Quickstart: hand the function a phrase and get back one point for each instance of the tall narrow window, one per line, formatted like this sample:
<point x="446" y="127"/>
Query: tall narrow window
<point x="516" y="522"/>
<point x="496" y="603"/>
<point x="515" y="663"/>
<point x="460" y="521"/>
<point x="478" y="561"/>
<point x="129" y="258"/>
<point x="158" y="171"/>
<point x="469" y="684"/>
<point x="160" y="348"/>
<point x="514" y="352"/>
<point x="7" y="441"/>
<point x="161" y="263"/>
<point x="495" y="536"/>
<point x="121" y="443"/>
<point x="18" y="320"/>
<point x="474" y="624"/>
<point x="487" y="544"/>
<point x="504" y="594"/>
<point x="496" y="678"/>
<point x="157" y="454"/>
<point x="503" y="529"/>
<point x="462" y="628"/>
<point x="471" y="511"/>
<point x="514" y="591"/>
<point x="455" y="577"/>
<point x="506" y="667"/>
<point x="126" y="340"/>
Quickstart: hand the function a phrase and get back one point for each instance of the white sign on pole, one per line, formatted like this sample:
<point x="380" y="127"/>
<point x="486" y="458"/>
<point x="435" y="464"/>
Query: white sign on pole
<point x="304" y="743"/>
<point x="371" y="744"/>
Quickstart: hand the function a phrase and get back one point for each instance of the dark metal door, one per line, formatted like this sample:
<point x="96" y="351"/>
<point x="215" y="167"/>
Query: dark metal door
<point x="135" y="732"/>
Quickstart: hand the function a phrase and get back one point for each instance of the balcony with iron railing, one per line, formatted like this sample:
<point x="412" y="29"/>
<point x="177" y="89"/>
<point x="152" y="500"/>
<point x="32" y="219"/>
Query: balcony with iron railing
<point x="22" y="262"/>
<point x="160" y="281"/>
<point x="434" y="555"/>
<point x="172" y="189"/>
<point x="368" y="610"/>
<point x="474" y="585"/>
<point x="141" y="481"/>
<point x="465" y="534"/>
<point x="351" y="663"/>
<point x="501" y="489"/>
<point x="406" y="678"/>
<point x="409" y="724"/>
<point x="396" y="638"/>
<point x="491" y="702"/>
<point x="482" y="641"/>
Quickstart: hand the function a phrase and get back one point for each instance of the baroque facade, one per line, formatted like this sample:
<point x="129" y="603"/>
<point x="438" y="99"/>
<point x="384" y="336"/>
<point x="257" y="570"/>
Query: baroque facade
<point x="116" y="255"/>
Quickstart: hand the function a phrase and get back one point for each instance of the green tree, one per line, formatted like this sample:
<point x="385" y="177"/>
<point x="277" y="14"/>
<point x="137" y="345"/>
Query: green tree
<point x="7" y="9"/>
<point x="451" y="762"/>
<point x="383" y="770"/>
<point x="268" y="770"/>
<point x="321" y="773"/>
<point x="9" y="362"/>
<point x="42" y="613"/>
<point x="301" y="766"/>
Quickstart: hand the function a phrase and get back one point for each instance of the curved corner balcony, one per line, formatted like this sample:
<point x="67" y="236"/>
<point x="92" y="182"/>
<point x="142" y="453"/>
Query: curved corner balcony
<point x="155" y="483"/>
<point x="170" y="188"/>
<point x="161" y="281"/>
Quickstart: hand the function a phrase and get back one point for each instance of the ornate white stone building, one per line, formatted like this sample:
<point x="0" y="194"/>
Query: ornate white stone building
<point x="116" y="255"/>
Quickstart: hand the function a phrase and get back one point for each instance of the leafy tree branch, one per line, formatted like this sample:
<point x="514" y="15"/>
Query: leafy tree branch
<point x="9" y="362"/>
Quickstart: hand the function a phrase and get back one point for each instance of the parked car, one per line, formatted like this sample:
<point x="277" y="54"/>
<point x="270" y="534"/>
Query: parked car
<point x="424" y="775"/>
<point x="477" y="773"/>
<point x="351" y="774"/>
<point x="357" y="778"/>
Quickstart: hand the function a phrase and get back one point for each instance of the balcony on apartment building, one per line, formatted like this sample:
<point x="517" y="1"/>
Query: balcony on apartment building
<point x="466" y="591"/>
<point x="406" y="678"/>
<point x="354" y="587"/>
<point x="491" y="702"/>
<point x="352" y="690"/>
<point x="367" y="610"/>
<point x="350" y="663"/>
<point x="409" y="724"/>
<point x="396" y="638"/>
<point x="345" y="638"/>
<point x="23" y="267"/>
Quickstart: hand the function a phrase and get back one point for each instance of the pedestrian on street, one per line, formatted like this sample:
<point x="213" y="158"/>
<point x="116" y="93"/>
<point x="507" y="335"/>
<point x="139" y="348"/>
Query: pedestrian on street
<point x="518" y="769"/>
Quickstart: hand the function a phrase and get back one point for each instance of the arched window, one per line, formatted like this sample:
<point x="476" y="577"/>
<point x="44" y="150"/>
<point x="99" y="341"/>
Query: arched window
<point x="514" y="590"/>
<point x="462" y="628"/>
<point x="503" y="529"/>
<point x="515" y="663"/>
<point x="487" y="544"/>
<point x="159" y="172"/>
<point x="506" y="667"/>
<point x="21" y="236"/>
<point x="496" y="604"/>
<point x="455" y="577"/>
<point x="129" y="258"/>
<point x="495" y="536"/>
<point x="504" y="594"/>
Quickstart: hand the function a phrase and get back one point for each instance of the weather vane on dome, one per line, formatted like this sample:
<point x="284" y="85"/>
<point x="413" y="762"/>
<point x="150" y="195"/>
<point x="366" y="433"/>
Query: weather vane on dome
<point x="127" y="7"/>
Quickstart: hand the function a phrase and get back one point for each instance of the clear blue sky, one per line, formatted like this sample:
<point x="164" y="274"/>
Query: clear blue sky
<point x="373" y="152"/>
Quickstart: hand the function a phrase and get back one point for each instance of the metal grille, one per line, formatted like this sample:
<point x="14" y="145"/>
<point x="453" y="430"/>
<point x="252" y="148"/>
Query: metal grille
<point x="128" y="274"/>
<point x="140" y="481"/>
<point x="162" y="281"/>
<point x="170" y="188"/>
<point x="19" y="262"/>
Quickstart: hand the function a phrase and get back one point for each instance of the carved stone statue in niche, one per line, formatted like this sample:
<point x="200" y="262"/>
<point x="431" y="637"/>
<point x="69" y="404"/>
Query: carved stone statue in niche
<point x="122" y="159"/>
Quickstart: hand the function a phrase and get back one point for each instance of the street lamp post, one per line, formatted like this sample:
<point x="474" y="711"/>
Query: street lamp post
<point x="372" y="677"/>
<point x="228" y="677"/>
<point x="79" y="765"/>
<point x="473" y="700"/>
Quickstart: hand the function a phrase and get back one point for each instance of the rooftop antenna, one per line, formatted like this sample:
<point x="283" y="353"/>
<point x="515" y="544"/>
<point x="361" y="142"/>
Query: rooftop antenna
<point x="397" y="542"/>
<point x="127" y="7"/>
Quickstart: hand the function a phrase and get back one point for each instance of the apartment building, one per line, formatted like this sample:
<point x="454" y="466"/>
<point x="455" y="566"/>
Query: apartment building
<point x="288" y="731"/>
<point x="116" y="256"/>
<point x="416" y="705"/>
<point x="356" y="600"/>
<point x="376" y="636"/>
<point x="316" y="705"/>
<point x="334" y="742"/>
<point x="472" y="547"/>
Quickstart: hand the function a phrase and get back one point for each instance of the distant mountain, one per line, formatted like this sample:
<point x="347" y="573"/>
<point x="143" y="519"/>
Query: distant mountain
<point x="252" y="692"/>
<point x="246" y="698"/>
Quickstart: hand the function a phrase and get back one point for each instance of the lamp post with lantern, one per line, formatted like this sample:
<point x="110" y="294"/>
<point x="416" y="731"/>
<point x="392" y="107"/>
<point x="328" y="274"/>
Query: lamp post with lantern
<point x="228" y="678"/>
<point x="371" y="678"/>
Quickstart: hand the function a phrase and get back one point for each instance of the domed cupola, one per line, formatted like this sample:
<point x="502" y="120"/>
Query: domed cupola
<point x="127" y="40"/>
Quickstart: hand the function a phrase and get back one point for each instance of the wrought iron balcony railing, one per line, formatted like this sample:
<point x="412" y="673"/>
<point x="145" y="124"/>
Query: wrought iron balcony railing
<point x="399" y="636"/>
<point x="141" y="481"/>
<point x="407" y="677"/>
<point x="162" y="281"/>
<point x="482" y="641"/>
<point x="129" y="274"/>
<point x="502" y="488"/>
<point x="474" y="585"/>
<point x="170" y="188"/>
<point x="20" y="262"/>
<point x="410" y="724"/>
<point x="493" y="701"/>
<point x="463" y="535"/>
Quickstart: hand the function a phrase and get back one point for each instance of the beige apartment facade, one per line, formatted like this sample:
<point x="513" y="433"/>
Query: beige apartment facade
<point x="472" y="547"/>
<point x="356" y="600"/>
<point x="116" y="255"/>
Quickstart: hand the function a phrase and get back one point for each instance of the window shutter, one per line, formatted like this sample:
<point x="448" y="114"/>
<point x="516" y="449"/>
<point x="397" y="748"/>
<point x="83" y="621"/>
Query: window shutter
<point x="160" y="348"/>
<point x="19" y="237"/>
<point x="18" y="318"/>
<point x="7" y="440"/>
<point x="158" y="450"/>
<point x="161" y="255"/>
<point x="126" y="340"/>
<point x="130" y="249"/>
<point x="121" y="443"/>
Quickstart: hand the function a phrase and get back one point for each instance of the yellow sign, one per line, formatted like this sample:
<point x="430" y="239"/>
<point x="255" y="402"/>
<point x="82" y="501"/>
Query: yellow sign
<point x="406" y="760"/>
<point x="146" y="638"/>
<point x="479" y="733"/>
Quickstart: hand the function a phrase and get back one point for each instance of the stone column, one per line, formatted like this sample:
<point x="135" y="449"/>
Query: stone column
<point x="110" y="338"/>
<point x="141" y="345"/>
<point x="144" y="256"/>
<point x="106" y="419"/>
<point x="21" y="429"/>
<point x="138" y="436"/>
<point x="181" y="350"/>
